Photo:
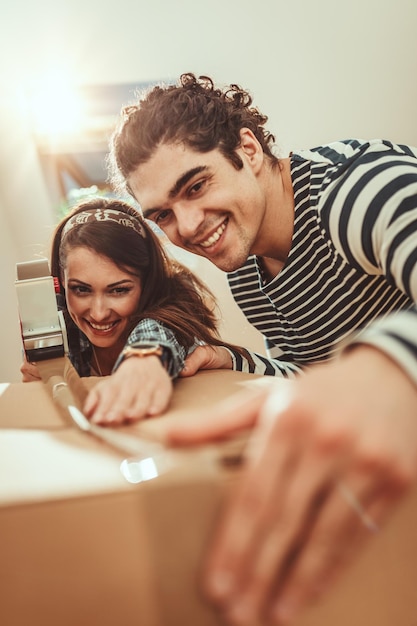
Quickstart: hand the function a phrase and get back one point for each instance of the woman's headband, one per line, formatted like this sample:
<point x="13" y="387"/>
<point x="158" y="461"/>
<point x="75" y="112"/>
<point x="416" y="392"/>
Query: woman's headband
<point x="104" y="215"/>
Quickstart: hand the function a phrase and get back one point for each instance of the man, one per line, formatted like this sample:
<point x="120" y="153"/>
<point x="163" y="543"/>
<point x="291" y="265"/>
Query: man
<point x="321" y="254"/>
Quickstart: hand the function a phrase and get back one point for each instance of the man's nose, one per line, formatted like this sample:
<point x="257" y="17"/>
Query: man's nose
<point x="189" y="220"/>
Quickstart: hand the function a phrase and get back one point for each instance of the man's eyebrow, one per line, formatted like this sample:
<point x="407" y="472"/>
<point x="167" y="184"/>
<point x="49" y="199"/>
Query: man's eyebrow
<point x="183" y="180"/>
<point x="177" y="186"/>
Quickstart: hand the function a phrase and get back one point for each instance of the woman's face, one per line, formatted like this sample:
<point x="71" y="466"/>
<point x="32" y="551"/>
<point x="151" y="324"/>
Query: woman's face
<point x="101" y="298"/>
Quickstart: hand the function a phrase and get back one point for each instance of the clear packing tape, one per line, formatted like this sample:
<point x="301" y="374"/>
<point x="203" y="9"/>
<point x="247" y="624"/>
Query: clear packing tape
<point x="146" y="459"/>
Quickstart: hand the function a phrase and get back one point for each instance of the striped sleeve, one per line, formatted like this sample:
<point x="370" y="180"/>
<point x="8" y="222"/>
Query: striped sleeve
<point x="254" y="363"/>
<point x="370" y="211"/>
<point x="396" y="336"/>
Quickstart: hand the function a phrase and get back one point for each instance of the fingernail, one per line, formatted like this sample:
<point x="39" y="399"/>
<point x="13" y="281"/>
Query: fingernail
<point x="220" y="585"/>
<point x="101" y="419"/>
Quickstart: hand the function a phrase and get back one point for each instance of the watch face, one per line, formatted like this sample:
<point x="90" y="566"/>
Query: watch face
<point x="145" y="349"/>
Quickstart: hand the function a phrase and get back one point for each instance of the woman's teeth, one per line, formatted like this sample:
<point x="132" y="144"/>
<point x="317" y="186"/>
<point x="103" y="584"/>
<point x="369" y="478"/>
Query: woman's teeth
<point x="214" y="237"/>
<point x="101" y="326"/>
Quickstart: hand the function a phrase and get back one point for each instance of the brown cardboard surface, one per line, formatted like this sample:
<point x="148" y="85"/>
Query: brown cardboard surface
<point x="91" y="559"/>
<point x="79" y="561"/>
<point x="77" y="541"/>
<point x="80" y="545"/>
<point x="24" y="405"/>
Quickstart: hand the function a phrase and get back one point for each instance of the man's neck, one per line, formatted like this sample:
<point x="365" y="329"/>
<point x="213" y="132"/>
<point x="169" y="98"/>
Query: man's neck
<point x="278" y="225"/>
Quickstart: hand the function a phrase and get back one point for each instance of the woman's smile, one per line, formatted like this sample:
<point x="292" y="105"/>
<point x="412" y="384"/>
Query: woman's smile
<point x="102" y="329"/>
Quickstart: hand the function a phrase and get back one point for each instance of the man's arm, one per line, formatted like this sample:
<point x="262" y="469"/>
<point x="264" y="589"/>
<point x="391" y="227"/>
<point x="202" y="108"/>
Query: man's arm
<point x="370" y="214"/>
<point x="220" y="357"/>
<point x="347" y="427"/>
<point x="288" y="531"/>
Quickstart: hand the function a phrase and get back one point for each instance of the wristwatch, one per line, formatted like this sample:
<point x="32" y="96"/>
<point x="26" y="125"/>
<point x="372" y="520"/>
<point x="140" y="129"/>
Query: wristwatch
<point x="149" y="348"/>
<point x="145" y="349"/>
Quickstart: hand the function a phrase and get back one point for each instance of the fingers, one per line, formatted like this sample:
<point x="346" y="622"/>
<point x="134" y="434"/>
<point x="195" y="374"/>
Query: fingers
<point x="325" y="468"/>
<point x="107" y="405"/>
<point x="135" y="391"/>
<point x="29" y="372"/>
<point x="207" y="357"/>
<point x="91" y="402"/>
<point x="113" y="408"/>
<point x="305" y="504"/>
<point x="240" y="567"/>
<point x="292" y="553"/>
<point x="230" y="416"/>
<point x="258" y="525"/>
<point x="333" y="540"/>
<point x="194" y="362"/>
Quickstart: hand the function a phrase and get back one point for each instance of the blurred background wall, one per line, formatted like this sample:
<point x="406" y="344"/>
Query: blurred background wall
<point x="321" y="70"/>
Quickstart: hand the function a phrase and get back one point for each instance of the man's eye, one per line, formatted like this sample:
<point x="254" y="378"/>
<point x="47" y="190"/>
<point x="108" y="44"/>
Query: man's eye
<point x="161" y="216"/>
<point x="196" y="187"/>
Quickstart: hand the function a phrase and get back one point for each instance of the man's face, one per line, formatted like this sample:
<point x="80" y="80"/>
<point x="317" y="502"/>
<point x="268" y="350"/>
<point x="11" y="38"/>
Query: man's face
<point x="202" y="202"/>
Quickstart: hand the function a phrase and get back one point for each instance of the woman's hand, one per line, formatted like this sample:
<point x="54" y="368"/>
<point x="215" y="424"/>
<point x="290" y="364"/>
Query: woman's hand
<point x="139" y="388"/>
<point x="29" y="371"/>
<point x="207" y="358"/>
<point x="329" y="459"/>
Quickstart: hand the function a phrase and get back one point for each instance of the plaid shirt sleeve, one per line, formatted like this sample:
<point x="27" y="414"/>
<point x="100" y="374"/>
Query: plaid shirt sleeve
<point x="150" y="330"/>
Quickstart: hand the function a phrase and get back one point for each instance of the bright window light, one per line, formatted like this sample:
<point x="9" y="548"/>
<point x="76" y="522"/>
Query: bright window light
<point x="55" y="107"/>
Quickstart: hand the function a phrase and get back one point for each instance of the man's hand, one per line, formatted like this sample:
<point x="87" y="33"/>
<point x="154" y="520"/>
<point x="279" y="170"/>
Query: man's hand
<point x="139" y="388"/>
<point x="207" y="358"/>
<point x="348" y="428"/>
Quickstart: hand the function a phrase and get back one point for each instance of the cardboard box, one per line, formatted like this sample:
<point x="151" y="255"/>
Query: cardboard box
<point x="81" y="545"/>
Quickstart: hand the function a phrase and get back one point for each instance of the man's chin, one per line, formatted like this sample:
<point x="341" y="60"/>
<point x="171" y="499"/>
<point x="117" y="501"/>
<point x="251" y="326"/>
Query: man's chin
<point x="227" y="265"/>
<point x="230" y="258"/>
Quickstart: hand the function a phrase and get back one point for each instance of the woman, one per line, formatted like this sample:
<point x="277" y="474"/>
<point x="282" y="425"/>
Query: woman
<point x="122" y="297"/>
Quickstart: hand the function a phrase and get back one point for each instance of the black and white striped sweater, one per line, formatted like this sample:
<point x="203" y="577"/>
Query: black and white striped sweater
<point x="351" y="274"/>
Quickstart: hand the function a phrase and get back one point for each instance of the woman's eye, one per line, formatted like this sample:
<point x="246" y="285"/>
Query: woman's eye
<point x="119" y="291"/>
<point x="79" y="290"/>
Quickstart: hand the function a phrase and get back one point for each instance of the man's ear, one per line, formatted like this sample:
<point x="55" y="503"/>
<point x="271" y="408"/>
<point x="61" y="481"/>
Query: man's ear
<point x="251" y="149"/>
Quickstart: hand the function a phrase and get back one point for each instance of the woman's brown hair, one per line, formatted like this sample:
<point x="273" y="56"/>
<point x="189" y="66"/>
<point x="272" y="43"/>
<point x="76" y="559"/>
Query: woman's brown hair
<point x="171" y="293"/>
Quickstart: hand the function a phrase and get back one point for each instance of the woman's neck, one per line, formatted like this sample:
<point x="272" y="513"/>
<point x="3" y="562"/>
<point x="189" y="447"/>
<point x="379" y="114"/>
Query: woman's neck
<point x="104" y="359"/>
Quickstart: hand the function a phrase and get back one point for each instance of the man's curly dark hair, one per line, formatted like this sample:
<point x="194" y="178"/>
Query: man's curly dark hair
<point x="193" y="112"/>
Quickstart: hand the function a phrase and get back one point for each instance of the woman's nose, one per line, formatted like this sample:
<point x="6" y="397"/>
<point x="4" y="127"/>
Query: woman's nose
<point x="99" y="309"/>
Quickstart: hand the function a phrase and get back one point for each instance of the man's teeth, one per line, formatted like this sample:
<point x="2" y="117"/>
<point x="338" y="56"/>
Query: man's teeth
<point x="101" y="326"/>
<point x="214" y="237"/>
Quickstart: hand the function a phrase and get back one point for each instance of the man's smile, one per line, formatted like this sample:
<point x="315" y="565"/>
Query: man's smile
<point x="214" y="238"/>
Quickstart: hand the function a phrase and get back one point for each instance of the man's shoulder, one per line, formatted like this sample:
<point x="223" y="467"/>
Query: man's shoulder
<point x="340" y="152"/>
